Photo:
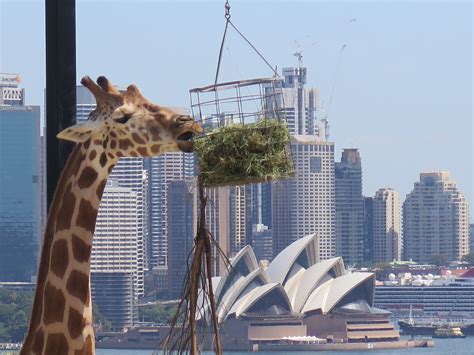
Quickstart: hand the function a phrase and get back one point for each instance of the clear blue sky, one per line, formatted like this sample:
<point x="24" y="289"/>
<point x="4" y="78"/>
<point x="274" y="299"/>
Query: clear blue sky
<point x="403" y="93"/>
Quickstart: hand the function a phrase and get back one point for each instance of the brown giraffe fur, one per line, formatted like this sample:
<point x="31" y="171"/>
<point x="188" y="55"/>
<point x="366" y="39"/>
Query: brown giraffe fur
<point x="123" y="125"/>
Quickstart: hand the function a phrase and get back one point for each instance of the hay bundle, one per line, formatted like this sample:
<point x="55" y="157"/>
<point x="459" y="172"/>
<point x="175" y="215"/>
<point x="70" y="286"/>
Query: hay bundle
<point x="240" y="154"/>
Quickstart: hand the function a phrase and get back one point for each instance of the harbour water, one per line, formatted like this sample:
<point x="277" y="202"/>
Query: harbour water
<point x="441" y="347"/>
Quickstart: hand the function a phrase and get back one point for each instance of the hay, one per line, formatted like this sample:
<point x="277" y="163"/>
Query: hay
<point x="240" y="154"/>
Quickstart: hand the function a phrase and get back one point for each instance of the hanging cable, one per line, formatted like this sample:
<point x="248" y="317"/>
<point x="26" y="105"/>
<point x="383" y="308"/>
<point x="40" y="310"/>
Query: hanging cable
<point x="228" y="21"/>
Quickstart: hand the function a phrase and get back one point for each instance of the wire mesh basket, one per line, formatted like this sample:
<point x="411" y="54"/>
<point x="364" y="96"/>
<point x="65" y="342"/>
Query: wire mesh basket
<point x="246" y="139"/>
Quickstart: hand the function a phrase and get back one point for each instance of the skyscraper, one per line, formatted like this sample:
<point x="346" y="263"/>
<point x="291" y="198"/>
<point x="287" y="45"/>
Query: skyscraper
<point x="368" y="229"/>
<point x="117" y="246"/>
<point x="240" y="217"/>
<point x="305" y="204"/>
<point x="435" y="219"/>
<point x="21" y="204"/>
<point x="301" y="104"/>
<point x="161" y="171"/>
<point x="349" y="207"/>
<point x="387" y="234"/>
<point x="181" y="231"/>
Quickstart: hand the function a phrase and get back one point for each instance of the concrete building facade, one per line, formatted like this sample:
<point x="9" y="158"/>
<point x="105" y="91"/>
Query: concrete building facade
<point x="117" y="244"/>
<point x="349" y="207"/>
<point x="435" y="219"/>
<point x="305" y="204"/>
<point x="387" y="232"/>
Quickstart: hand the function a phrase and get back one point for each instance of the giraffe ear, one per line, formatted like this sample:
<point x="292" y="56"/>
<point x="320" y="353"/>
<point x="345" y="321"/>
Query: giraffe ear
<point x="80" y="132"/>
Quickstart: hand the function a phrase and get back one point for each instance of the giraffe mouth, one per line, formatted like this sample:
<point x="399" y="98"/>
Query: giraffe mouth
<point x="185" y="142"/>
<point x="186" y="136"/>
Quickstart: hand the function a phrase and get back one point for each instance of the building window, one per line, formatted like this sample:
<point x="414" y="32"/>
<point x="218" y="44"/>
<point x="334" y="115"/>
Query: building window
<point x="315" y="164"/>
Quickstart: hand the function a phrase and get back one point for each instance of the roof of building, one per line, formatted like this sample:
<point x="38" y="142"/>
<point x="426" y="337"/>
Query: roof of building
<point x="293" y="283"/>
<point x="328" y="295"/>
<point x="283" y="263"/>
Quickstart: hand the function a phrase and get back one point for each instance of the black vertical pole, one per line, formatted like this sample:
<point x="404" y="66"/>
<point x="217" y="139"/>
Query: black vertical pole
<point x="60" y="85"/>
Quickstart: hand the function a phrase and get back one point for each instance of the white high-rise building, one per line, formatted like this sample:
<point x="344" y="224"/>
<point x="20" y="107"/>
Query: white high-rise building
<point x="301" y="104"/>
<point x="305" y="204"/>
<point x="117" y="243"/>
<point x="387" y="231"/>
<point x="435" y="219"/>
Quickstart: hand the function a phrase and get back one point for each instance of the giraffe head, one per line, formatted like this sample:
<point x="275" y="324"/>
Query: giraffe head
<point x="127" y="124"/>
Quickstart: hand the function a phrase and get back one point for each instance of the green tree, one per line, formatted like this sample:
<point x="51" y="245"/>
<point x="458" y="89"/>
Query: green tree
<point x="101" y="323"/>
<point x="468" y="258"/>
<point x="4" y="334"/>
<point x="439" y="259"/>
<point x="157" y="313"/>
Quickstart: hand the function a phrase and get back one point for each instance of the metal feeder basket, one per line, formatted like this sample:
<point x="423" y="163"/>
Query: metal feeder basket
<point x="246" y="139"/>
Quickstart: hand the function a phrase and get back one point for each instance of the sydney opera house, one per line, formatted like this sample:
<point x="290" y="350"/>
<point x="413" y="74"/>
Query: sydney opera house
<point x="296" y="298"/>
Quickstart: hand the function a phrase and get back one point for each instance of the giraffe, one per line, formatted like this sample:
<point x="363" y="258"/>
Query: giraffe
<point x="124" y="124"/>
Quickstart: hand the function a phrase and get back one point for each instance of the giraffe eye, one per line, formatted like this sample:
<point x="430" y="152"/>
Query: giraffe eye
<point x="124" y="119"/>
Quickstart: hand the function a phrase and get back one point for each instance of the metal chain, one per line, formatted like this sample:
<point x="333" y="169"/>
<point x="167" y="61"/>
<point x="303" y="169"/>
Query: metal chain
<point x="227" y="10"/>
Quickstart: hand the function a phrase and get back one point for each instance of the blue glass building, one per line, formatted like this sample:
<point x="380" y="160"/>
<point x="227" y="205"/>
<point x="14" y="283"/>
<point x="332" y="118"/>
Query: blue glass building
<point x="20" y="191"/>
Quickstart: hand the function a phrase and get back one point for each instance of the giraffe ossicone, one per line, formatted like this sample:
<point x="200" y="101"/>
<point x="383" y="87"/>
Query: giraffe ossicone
<point x="124" y="124"/>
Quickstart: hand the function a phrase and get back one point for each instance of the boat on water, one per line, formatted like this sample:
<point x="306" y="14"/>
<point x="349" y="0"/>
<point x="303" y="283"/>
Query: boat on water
<point x="411" y="326"/>
<point x="429" y="327"/>
<point x="448" y="331"/>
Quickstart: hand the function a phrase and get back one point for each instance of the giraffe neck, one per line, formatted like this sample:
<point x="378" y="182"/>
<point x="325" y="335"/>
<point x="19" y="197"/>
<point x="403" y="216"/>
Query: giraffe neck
<point x="61" y="321"/>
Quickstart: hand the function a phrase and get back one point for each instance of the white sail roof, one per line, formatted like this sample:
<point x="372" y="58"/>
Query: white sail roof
<point x="329" y="294"/>
<point x="286" y="261"/>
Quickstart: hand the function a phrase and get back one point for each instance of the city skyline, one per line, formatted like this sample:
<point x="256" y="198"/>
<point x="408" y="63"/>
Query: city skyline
<point x="388" y="82"/>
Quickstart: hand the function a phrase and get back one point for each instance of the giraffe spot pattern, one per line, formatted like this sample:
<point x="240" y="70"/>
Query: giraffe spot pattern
<point x="75" y="323"/>
<point x="59" y="258"/>
<point x="103" y="159"/>
<point x="142" y="151"/>
<point x="78" y="286"/>
<point x="97" y="142"/>
<point x="113" y="144"/>
<point x="155" y="148"/>
<point x="56" y="344"/>
<point x="54" y="303"/>
<point x="138" y="139"/>
<point x="86" y="349"/>
<point x="80" y="249"/>
<point x="125" y="143"/>
<point x="38" y="343"/>
<point x="87" y="143"/>
<point x="100" y="188"/>
<point x="67" y="209"/>
<point x="155" y="132"/>
<point x="86" y="216"/>
<point x="87" y="178"/>
<point x="92" y="155"/>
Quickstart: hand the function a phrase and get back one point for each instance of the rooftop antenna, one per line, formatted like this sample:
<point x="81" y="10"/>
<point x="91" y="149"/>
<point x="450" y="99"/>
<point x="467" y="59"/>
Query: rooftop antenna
<point x="299" y="54"/>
